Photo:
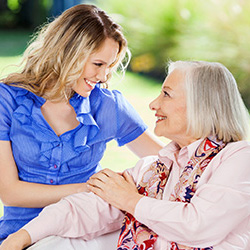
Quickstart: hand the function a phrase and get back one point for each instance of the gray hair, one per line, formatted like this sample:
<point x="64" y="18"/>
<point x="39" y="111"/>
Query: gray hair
<point x="214" y="104"/>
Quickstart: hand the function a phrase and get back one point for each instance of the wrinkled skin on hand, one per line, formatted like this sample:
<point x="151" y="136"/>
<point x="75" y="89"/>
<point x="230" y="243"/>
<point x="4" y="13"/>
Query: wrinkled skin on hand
<point x="117" y="189"/>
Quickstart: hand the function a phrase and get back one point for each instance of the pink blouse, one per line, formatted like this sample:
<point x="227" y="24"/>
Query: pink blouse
<point x="218" y="214"/>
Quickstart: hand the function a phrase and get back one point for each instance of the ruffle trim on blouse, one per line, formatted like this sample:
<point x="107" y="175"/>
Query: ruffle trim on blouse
<point x="85" y="132"/>
<point x="26" y="100"/>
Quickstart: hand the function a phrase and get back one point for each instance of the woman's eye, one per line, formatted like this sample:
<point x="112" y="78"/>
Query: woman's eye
<point x="98" y="64"/>
<point x="166" y="93"/>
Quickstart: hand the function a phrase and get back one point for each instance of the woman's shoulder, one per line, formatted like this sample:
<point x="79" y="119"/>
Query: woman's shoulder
<point x="106" y="94"/>
<point x="6" y="87"/>
<point x="239" y="145"/>
<point x="15" y="95"/>
<point x="8" y="92"/>
<point x="237" y="149"/>
<point x="108" y="98"/>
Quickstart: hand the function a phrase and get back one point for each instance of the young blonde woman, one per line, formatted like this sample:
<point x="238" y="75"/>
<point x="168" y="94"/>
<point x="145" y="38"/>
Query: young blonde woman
<point x="193" y="196"/>
<point x="55" y="117"/>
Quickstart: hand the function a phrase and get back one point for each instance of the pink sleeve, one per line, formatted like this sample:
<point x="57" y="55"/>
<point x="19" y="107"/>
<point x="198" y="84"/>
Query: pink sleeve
<point x="217" y="208"/>
<point x="80" y="215"/>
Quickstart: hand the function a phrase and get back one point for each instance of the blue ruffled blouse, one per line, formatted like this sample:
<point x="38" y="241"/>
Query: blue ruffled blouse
<point x="43" y="157"/>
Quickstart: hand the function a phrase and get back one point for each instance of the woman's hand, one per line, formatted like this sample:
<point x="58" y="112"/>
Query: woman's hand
<point x="119" y="190"/>
<point x="16" y="241"/>
<point x="17" y="193"/>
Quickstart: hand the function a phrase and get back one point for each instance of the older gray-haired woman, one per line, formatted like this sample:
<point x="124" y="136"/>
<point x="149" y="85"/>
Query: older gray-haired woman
<point x="194" y="195"/>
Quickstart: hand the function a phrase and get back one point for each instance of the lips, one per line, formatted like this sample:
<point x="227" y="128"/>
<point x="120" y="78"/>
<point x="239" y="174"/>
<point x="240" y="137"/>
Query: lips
<point x="90" y="83"/>
<point x="160" y="118"/>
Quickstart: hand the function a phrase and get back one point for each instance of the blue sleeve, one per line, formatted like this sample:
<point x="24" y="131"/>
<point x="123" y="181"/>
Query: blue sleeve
<point x="7" y="104"/>
<point x="129" y="123"/>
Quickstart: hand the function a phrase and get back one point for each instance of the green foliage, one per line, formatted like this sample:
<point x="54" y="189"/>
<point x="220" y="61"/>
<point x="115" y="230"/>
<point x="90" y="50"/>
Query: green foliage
<point x="23" y="13"/>
<point x="209" y="30"/>
<point x="13" y="5"/>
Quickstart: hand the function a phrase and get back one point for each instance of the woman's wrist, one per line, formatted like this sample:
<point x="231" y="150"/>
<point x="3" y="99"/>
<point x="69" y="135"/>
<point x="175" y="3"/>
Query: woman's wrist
<point x="23" y="237"/>
<point x="81" y="187"/>
<point x="132" y="203"/>
<point x="18" y="240"/>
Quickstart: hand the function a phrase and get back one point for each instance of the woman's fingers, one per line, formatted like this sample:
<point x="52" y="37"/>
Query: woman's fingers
<point x="128" y="177"/>
<point x="99" y="181"/>
<point x="117" y="189"/>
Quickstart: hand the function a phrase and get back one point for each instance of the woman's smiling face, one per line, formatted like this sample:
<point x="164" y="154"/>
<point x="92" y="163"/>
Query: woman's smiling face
<point x="97" y="67"/>
<point x="170" y="107"/>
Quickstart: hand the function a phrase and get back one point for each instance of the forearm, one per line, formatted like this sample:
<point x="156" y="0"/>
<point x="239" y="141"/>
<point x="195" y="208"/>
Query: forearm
<point x="213" y="213"/>
<point x="146" y="144"/>
<point x="25" y="194"/>
<point x="81" y="215"/>
<point x="14" y="192"/>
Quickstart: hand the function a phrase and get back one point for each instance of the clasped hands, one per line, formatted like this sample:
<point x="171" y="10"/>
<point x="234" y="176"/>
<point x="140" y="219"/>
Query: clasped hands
<point x="118" y="189"/>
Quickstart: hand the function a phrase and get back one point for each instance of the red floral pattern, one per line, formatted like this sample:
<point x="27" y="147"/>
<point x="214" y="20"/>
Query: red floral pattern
<point x="136" y="236"/>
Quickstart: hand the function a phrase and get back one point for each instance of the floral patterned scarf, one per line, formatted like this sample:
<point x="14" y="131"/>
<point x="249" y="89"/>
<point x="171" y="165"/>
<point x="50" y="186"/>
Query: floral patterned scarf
<point x="136" y="236"/>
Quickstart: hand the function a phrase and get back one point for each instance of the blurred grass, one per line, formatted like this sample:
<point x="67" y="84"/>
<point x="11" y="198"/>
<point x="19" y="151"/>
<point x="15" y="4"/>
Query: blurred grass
<point x="138" y="90"/>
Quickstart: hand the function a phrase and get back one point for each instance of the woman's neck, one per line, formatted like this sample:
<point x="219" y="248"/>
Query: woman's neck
<point x="184" y="141"/>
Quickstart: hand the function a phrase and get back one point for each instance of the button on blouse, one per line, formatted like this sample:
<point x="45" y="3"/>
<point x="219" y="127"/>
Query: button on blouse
<point x="43" y="157"/>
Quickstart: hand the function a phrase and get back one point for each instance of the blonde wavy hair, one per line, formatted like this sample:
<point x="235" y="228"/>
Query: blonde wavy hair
<point x="56" y="56"/>
<point x="214" y="104"/>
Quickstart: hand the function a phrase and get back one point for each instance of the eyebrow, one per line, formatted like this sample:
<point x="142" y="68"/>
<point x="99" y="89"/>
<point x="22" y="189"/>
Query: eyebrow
<point x="99" y="60"/>
<point x="166" y="88"/>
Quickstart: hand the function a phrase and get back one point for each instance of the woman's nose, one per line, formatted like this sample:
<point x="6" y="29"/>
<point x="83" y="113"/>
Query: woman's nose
<point x="154" y="105"/>
<point x="102" y="74"/>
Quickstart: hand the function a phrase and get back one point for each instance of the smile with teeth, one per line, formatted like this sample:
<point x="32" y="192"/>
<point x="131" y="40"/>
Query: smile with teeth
<point x="92" y="84"/>
<point x="161" y="118"/>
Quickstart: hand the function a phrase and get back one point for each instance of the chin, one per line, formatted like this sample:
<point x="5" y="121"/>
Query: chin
<point x="156" y="132"/>
<point x="84" y="94"/>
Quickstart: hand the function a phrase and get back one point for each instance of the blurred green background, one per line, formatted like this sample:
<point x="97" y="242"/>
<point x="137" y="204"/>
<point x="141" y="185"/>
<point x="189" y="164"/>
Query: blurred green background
<point x="187" y="30"/>
<point x="157" y="31"/>
<point x="160" y="30"/>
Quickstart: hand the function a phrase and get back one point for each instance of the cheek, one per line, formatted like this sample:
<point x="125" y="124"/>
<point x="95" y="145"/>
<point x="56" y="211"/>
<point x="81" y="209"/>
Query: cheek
<point x="89" y="70"/>
<point x="181" y="121"/>
<point x="81" y="77"/>
<point x="181" y="112"/>
<point x="181" y="116"/>
<point x="86" y="73"/>
<point x="79" y="81"/>
<point x="178" y="119"/>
